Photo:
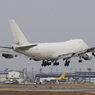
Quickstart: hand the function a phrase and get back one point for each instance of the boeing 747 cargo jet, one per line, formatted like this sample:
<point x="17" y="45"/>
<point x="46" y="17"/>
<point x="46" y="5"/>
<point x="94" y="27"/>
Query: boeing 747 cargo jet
<point x="47" y="52"/>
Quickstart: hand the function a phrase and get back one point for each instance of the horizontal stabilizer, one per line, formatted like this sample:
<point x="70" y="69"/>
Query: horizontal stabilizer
<point x="26" y="47"/>
<point x="6" y="47"/>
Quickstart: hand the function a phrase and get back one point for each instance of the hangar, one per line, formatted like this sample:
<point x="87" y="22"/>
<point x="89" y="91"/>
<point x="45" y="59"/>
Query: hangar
<point x="10" y="75"/>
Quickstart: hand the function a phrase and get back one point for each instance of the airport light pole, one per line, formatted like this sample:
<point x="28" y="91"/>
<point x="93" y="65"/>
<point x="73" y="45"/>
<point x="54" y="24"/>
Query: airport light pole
<point x="6" y="73"/>
<point x="75" y="70"/>
<point x="32" y="75"/>
<point x="80" y="71"/>
<point x="40" y="71"/>
<point x="89" y="69"/>
<point x="26" y="72"/>
<point x="71" y="72"/>
<point x="56" y="70"/>
<point x="23" y="73"/>
<point x="51" y="72"/>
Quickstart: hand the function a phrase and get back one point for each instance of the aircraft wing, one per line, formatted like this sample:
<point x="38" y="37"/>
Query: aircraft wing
<point x="78" y="53"/>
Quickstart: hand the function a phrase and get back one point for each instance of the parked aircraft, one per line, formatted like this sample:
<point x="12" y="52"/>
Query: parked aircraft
<point x="51" y="79"/>
<point x="47" y="52"/>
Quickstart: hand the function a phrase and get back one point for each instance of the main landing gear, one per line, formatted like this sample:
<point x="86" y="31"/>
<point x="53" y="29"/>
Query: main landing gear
<point x="67" y="63"/>
<point x="80" y="60"/>
<point x="48" y="63"/>
<point x="55" y="63"/>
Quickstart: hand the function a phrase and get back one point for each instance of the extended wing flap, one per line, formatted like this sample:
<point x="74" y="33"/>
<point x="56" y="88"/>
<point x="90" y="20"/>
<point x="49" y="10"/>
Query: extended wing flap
<point x="91" y="49"/>
<point x="73" y="54"/>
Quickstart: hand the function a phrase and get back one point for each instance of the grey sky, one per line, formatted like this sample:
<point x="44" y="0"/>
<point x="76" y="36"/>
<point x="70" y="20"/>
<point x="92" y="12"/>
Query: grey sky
<point x="48" y="21"/>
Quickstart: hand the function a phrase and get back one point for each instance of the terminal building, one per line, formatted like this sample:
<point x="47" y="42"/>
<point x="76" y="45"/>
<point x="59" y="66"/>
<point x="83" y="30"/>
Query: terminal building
<point x="69" y="76"/>
<point x="21" y="76"/>
<point x="10" y="75"/>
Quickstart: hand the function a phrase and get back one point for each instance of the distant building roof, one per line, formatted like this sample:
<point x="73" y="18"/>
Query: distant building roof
<point x="74" y="75"/>
<point x="10" y="71"/>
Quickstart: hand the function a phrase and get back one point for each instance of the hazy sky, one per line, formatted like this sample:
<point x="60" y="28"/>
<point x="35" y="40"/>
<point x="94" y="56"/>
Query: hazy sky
<point x="48" y="21"/>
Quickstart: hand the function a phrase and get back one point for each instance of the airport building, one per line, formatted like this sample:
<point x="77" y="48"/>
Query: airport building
<point x="10" y="75"/>
<point x="74" y="76"/>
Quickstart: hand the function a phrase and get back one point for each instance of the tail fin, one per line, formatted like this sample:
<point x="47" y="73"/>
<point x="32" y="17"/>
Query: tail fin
<point x="19" y="38"/>
<point x="61" y="77"/>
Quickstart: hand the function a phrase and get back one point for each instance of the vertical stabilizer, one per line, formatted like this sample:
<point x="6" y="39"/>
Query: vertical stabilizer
<point x="61" y="77"/>
<point x="19" y="38"/>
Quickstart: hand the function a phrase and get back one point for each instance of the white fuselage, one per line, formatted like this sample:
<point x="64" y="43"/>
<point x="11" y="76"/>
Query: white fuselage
<point x="53" y="50"/>
<point x="48" y="79"/>
<point x="42" y="80"/>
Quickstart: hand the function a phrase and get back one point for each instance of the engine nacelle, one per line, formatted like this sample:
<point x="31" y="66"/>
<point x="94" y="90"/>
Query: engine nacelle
<point x="9" y="56"/>
<point x="87" y="56"/>
<point x="93" y="53"/>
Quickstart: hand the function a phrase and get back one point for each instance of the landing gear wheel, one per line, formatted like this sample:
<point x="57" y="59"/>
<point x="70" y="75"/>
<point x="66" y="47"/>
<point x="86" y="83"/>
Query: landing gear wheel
<point x="67" y="63"/>
<point x="45" y="63"/>
<point x="56" y="63"/>
<point x="93" y="54"/>
<point x="80" y="61"/>
<point x="42" y="65"/>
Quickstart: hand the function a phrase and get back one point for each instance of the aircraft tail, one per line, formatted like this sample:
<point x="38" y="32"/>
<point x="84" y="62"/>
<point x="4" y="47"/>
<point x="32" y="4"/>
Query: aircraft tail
<point x="61" y="77"/>
<point x="19" y="37"/>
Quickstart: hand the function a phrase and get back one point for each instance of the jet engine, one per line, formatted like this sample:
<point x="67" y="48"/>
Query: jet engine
<point x="87" y="56"/>
<point x="93" y="53"/>
<point x="9" y="56"/>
